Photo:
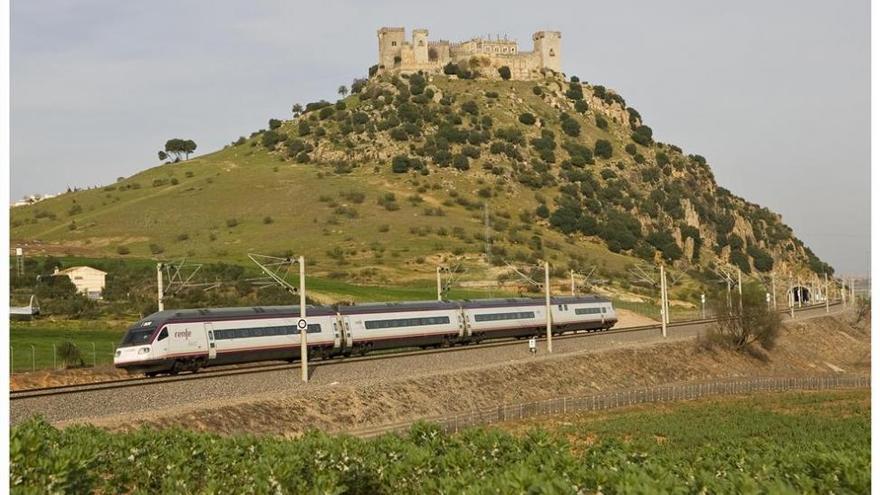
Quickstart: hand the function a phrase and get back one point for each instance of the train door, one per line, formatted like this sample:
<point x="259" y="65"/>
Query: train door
<point x="347" y="340"/>
<point x="337" y="332"/>
<point x="212" y="348"/>
<point x="464" y="329"/>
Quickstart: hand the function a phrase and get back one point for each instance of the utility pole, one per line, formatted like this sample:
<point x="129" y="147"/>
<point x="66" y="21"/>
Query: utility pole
<point x="571" y="273"/>
<point x="663" y="299"/>
<point x="791" y="298"/>
<point x="827" y="303"/>
<point x="773" y="288"/>
<point x="439" y="288"/>
<point x="19" y="262"/>
<point x="739" y="288"/>
<point x="843" y="291"/>
<point x="547" y="301"/>
<point x="161" y="289"/>
<point x="303" y="332"/>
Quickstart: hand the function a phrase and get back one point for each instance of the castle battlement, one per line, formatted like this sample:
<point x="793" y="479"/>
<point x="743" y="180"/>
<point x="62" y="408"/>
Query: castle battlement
<point x="399" y="55"/>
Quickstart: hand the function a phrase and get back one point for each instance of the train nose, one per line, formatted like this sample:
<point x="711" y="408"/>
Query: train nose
<point x="131" y="354"/>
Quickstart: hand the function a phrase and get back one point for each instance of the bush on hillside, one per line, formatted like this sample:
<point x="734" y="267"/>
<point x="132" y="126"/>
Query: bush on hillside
<point x="751" y="322"/>
<point x="603" y="149"/>
<point x="504" y="72"/>
<point x="571" y="127"/>
<point x="527" y="118"/>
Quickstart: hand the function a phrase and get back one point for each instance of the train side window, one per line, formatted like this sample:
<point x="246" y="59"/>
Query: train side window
<point x="162" y="335"/>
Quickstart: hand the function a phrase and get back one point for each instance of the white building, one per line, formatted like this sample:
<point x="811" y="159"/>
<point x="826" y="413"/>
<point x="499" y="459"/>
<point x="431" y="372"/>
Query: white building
<point x="89" y="281"/>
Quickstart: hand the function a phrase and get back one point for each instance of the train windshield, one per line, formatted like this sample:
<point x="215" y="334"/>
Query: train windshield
<point x="137" y="336"/>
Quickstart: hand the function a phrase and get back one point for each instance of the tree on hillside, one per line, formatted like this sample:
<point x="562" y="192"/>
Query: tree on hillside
<point x="177" y="148"/>
<point x="504" y="72"/>
<point x="343" y="90"/>
<point x="296" y="109"/>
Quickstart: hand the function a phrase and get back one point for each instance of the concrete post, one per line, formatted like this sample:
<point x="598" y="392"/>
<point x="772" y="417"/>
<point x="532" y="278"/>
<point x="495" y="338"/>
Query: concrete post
<point x="303" y="344"/>
<point x="571" y="273"/>
<point x="161" y="289"/>
<point x="773" y="288"/>
<point x="827" y="302"/>
<point x="439" y="289"/>
<point x="547" y="301"/>
<point x="663" y="299"/>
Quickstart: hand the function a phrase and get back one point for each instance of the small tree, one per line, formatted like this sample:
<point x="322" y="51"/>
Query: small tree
<point x="343" y="90"/>
<point x="296" y="109"/>
<point x="504" y="72"/>
<point x="749" y="320"/>
<point x="274" y="124"/>
<point x="603" y="149"/>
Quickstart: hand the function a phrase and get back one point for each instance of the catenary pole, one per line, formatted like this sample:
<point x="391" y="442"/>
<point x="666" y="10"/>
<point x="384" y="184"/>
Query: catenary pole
<point x="791" y="298"/>
<point x="439" y="289"/>
<point x="800" y="292"/>
<point x="547" y="304"/>
<point x="827" y="302"/>
<point x="304" y="332"/>
<point x="773" y="288"/>
<point x="571" y="273"/>
<point x="663" y="299"/>
<point x="160" y="293"/>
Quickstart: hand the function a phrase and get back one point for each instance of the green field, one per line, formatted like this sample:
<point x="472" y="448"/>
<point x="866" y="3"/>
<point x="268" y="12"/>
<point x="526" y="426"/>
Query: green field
<point x="31" y="343"/>
<point x="780" y="443"/>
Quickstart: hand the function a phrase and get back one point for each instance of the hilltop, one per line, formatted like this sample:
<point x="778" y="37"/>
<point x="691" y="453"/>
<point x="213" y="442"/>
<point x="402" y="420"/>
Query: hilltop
<point x="411" y="171"/>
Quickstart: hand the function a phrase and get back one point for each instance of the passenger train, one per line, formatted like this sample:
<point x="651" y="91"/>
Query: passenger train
<point x="172" y="341"/>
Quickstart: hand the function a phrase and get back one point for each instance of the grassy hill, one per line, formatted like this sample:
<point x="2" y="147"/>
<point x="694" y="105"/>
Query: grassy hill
<point x="408" y="173"/>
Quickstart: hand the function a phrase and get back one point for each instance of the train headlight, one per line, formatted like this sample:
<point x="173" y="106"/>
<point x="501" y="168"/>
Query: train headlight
<point x="144" y="350"/>
<point x="118" y="353"/>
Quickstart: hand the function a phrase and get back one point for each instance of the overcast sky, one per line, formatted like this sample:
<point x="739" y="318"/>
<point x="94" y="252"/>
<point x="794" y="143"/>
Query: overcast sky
<point x="775" y="94"/>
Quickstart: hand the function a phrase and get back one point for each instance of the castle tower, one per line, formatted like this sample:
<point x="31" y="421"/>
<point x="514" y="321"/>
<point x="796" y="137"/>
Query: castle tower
<point x="547" y="47"/>
<point x="420" y="45"/>
<point x="390" y="43"/>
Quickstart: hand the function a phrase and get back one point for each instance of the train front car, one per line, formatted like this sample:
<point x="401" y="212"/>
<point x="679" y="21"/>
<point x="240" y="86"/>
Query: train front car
<point x="136" y="352"/>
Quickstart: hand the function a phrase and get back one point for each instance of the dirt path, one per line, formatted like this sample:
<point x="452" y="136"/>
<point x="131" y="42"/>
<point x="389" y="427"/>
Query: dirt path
<point x="819" y="345"/>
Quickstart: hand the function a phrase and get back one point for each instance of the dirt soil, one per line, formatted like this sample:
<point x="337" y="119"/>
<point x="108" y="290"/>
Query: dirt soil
<point x="819" y="345"/>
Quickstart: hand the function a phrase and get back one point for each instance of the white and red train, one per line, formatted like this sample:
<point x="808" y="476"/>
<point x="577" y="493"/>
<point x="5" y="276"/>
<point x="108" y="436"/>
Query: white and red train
<point x="172" y="341"/>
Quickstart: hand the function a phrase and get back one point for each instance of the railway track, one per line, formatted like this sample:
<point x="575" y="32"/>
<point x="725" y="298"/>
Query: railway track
<point x="263" y="368"/>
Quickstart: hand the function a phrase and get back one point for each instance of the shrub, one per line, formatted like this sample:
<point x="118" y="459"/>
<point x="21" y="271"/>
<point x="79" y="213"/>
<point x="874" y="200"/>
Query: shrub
<point x="270" y="139"/>
<point x="491" y="94"/>
<point x="231" y="222"/>
<point x="542" y="211"/>
<point x="601" y="123"/>
<point x="400" y="164"/>
<point x="398" y="134"/>
<point x="450" y="69"/>
<point x="571" y="127"/>
<point x="267" y="220"/>
<point x="631" y="149"/>
<point x="69" y="354"/>
<point x="643" y="135"/>
<point x="182" y="237"/>
<point x="603" y="149"/>
<point x="527" y="118"/>
<point x="504" y="72"/>
<point x="537" y="90"/>
<point x="581" y="106"/>
<point x="461" y="162"/>
<point x="384" y="228"/>
<point x="123" y="250"/>
<point x="274" y="124"/>
<point x="156" y="249"/>
<point x="470" y="107"/>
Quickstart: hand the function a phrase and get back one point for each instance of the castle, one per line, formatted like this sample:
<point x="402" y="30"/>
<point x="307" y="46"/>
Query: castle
<point x="485" y="56"/>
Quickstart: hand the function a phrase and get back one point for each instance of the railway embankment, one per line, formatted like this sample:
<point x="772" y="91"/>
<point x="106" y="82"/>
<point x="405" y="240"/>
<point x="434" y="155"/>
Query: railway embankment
<point x="825" y="344"/>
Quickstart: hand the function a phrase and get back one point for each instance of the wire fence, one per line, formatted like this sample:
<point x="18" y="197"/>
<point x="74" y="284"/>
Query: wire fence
<point x="634" y="396"/>
<point x="25" y="358"/>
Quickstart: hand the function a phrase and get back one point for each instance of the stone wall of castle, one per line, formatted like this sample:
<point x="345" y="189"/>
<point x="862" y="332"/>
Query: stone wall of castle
<point x="398" y="55"/>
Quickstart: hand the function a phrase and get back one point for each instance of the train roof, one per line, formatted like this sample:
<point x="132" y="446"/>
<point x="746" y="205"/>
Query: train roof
<point x="198" y="314"/>
<point x="242" y="312"/>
